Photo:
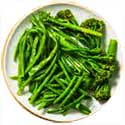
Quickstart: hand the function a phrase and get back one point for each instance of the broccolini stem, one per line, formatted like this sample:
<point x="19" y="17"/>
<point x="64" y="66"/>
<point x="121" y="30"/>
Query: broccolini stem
<point x="74" y="27"/>
<point x="112" y="49"/>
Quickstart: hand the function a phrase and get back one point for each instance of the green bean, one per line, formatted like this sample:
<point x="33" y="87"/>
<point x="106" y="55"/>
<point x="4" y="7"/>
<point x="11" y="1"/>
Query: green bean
<point x="36" y="68"/>
<point x="44" y="102"/>
<point x="39" y="73"/>
<point x="42" y="105"/>
<point x="68" y="65"/>
<point x="37" y="22"/>
<point x="55" y="110"/>
<point x="64" y="81"/>
<point x="75" y="101"/>
<point x="31" y="87"/>
<point x="76" y="66"/>
<point x="21" y="65"/>
<point x="34" y="20"/>
<point x="60" y="83"/>
<point x="65" y="43"/>
<point x="67" y="37"/>
<point x="65" y="64"/>
<point x="72" y="91"/>
<point x="21" y="87"/>
<point x="64" y="70"/>
<point x="16" y="52"/>
<point x="14" y="77"/>
<point x="48" y="99"/>
<point x="54" y="85"/>
<point x="21" y="57"/>
<point x="69" y="105"/>
<point x="37" y="30"/>
<point x="54" y="90"/>
<point x="27" y="54"/>
<point x="83" y="109"/>
<point x="49" y="96"/>
<point x="48" y="92"/>
<point x="47" y="70"/>
<point x="33" y="97"/>
<point x="66" y="90"/>
<point x="34" y="48"/>
<point x="40" y="51"/>
<point x="55" y="76"/>
<point x="37" y="102"/>
<point x="36" y="86"/>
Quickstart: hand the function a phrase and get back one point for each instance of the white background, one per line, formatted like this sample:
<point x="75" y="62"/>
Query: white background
<point x="11" y="113"/>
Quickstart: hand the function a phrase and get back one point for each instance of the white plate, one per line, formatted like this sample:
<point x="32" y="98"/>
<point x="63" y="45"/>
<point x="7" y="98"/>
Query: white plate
<point x="10" y="67"/>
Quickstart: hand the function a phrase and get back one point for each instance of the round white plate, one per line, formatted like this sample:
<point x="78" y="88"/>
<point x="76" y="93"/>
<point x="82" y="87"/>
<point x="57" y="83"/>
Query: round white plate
<point x="10" y="67"/>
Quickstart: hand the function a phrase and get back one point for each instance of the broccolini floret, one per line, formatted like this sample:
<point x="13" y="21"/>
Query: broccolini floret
<point x="67" y="15"/>
<point x="102" y="92"/>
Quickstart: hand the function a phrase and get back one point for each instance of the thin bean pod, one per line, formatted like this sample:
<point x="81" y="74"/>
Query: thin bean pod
<point x="33" y="97"/>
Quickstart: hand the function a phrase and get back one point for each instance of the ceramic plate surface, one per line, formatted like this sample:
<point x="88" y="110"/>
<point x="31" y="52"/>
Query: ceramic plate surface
<point x="10" y="67"/>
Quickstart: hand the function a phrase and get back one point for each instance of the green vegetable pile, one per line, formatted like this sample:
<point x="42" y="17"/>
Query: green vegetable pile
<point x="63" y="63"/>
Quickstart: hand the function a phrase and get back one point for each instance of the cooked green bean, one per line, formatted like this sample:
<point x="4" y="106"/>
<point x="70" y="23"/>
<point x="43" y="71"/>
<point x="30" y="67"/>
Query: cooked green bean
<point x="14" y="77"/>
<point x="54" y="85"/>
<point x="60" y="83"/>
<point x="54" y="90"/>
<point x="75" y="101"/>
<point x="48" y="96"/>
<point x="33" y="97"/>
<point x="34" y="48"/>
<point x="83" y="109"/>
<point x="16" y="52"/>
<point x="47" y="70"/>
<point x="36" y="68"/>
<point x="21" y="63"/>
<point x="64" y="70"/>
<point x="72" y="91"/>
<point x="64" y="81"/>
<point x="66" y="90"/>
<point x="42" y="105"/>
<point x="40" y="51"/>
